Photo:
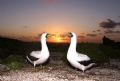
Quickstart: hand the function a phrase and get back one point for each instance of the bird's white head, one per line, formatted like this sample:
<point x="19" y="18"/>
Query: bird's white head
<point x="44" y="35"/>
<point x="71" y="34"/>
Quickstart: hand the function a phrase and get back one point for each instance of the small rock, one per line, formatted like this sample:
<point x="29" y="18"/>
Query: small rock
<point x="50" y="68"/>
<point x="3" y="68"/>
<point x="97" y="73"/>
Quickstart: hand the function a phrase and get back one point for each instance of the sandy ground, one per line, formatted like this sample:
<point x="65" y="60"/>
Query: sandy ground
<point x="60" y="71"/>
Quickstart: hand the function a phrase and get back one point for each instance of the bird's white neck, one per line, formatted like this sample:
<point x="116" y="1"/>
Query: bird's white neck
<point x="43" y="44"/>
<point x="73" y="44"/>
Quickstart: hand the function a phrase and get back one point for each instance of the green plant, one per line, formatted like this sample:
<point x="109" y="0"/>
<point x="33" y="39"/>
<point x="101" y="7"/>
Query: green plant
<point x="15" y="65"/>
<point x="14" y="61"/>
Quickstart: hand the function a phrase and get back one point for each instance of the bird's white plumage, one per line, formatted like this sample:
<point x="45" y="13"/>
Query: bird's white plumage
<point x="42" y="55"/>
<point x="82" y="57"/>
<point x="35" y="54"/>
<point x="74" y="57"/>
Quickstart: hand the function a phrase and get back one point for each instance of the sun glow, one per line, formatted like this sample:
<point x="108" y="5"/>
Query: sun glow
<point x="57" y="38"/>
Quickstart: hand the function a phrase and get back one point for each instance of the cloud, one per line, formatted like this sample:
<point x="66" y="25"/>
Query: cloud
<point x="109" y="24"/>
<point x="96" y="30"/>
<point x="91" y="35"/>
<point x="111" y="32"/>
<point x="81" y="36"/>
<point x="100" y="33"/>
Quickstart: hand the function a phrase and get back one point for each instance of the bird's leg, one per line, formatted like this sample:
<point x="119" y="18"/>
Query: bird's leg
<point x="34" y="65"/>
<point x="83" y="71"/>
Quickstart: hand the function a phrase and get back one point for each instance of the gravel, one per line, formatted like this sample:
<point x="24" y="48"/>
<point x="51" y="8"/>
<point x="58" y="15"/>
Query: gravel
<point x="61" y="73"/>
<point x="58" y="70"/>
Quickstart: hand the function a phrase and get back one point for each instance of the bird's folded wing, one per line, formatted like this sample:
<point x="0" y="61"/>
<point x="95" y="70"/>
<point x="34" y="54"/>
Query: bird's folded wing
<point x="85" y="63"/>
<point x="32" y="58"/>
<point x="82" y="57"/>
<point x="36" y="54"/>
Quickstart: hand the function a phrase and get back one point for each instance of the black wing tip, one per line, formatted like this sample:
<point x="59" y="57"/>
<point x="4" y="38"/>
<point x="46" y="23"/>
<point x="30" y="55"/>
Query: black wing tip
<point x="32" y="58"/>
<point x="86" y="62"/>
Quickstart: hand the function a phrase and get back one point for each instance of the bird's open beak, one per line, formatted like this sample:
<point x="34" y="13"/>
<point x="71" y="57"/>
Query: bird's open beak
<point x="49" y="35"/>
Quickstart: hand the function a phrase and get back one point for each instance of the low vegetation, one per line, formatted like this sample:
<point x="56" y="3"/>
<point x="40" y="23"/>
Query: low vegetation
<point x="14" y="51"/>
<point x="14" y="61"/>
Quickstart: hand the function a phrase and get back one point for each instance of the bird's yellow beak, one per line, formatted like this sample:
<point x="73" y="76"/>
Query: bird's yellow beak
<point x="69" y="34"/>
<point x="49" y="35"/>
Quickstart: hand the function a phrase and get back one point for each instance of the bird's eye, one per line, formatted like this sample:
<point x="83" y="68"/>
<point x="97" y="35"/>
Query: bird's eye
<point x="71" y="35"/>
<point x="47" y="35"/>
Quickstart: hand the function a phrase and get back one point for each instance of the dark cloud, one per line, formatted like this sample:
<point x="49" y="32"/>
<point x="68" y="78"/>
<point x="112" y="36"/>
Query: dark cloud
<point x="111" y="32"/>
<point x="109" y="35"/>
<point x="100" y="33"/>
<point x="108" y="24"/>
<point x="96" y="30"/>
<point x="91" y="35"/>
<point x="81" y="36"/>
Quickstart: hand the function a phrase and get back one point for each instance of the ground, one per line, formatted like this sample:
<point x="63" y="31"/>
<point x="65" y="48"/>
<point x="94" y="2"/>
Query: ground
<point x="61" y="73"/>
<point x="58" y="70"/>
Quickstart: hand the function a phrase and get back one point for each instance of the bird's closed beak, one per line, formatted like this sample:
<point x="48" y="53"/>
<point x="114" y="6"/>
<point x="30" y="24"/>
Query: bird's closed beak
<point x="49" y="35"/>
<point x="69" y="34"/>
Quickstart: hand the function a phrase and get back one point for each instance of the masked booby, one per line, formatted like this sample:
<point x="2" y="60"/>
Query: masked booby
<point x="77" y="60"/>
<point x="40" y="57"/>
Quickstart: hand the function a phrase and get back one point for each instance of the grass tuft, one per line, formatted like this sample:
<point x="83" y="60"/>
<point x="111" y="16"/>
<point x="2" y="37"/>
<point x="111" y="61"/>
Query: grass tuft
<point x="14" y="61"/>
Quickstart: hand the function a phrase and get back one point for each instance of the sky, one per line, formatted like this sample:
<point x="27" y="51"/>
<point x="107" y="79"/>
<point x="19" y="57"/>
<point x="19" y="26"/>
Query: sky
<point x="89" y="19"/>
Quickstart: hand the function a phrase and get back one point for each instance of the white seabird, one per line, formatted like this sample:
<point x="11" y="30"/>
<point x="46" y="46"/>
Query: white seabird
<point x="39" y="57"/>
<point x="77" y="60"/>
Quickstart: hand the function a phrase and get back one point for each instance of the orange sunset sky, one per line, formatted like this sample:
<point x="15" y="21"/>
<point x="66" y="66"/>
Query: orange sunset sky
<point x="89" y="19"/>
